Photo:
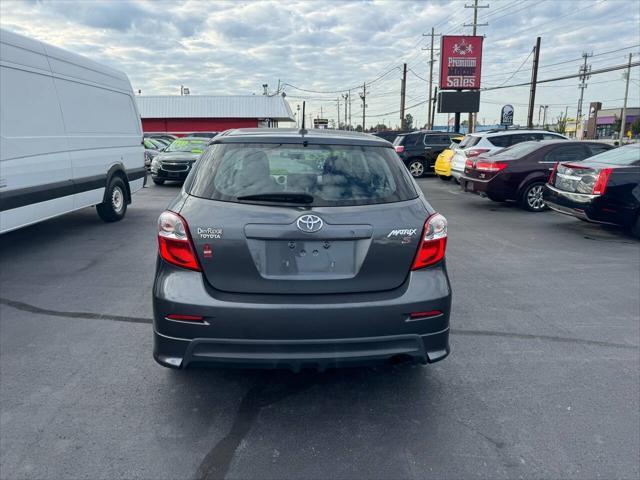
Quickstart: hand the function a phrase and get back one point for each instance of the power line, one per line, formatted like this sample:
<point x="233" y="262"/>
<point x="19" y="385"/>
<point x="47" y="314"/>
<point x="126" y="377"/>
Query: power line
<point x="521" y="65"/>
<point x="343" y="89"/>
<point x="565" y="77"/>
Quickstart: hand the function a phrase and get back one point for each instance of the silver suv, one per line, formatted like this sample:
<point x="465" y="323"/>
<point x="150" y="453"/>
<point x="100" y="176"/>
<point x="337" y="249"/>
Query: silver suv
<point x="486" y="143"/>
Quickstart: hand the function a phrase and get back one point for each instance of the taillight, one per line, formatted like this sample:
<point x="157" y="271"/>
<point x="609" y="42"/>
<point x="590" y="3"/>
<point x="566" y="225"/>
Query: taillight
<point x="468" y="164"/>
<point x="399" y="148"/>
<point x="601" y="182"/>
<point x="492" y="167"/>
<point x="474" y="152"/>
<point x="185" y="318"/>
<point x="553" y="174"/>
<point x="174" y="241"/>
<point x="433" y="242"/>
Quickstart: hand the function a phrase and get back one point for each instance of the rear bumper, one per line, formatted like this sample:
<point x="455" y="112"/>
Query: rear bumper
<point x="297" y="354"/>
<point x="584" y="206"/>
<point x="298" y="331"/>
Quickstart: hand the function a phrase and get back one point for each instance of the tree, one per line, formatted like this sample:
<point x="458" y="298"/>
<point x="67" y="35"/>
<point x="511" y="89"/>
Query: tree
<point x="407" y="122"/>
<point x="561" y="124"/>
<point x="358" y="128"/>
<point x="464" y="123"/>
<point x="616" y="124"/>
<point x="380" y="127"/>
<point x="635" y="127"/>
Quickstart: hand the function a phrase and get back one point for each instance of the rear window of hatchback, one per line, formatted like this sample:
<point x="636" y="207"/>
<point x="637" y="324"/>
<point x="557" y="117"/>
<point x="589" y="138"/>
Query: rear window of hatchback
<point x="334" y="175"/>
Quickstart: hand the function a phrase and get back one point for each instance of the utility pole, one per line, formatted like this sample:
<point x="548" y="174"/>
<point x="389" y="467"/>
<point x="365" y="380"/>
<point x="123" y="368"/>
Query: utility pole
<point x="534" y="79"/>
<point x="403" y="89"/>
<point x="363" y="96"/>
<point x="624" y="105"/>
<point x="544" y="115"/>
<point x="431" y="61"/>
<point x="584" y="76"/>
<point x="346" y="97"/>
<point x="475" y="24"/>
<point x="350" y="128"/>
<point x="338" y="126"/>
<point x="433" y="109"/>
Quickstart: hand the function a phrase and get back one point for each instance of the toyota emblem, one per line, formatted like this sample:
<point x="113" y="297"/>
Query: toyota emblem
<point x="309" y="223"/>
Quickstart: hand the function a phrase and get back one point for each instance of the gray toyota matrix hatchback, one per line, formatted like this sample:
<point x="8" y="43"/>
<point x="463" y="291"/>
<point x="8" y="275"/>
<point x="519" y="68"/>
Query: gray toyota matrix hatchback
<point x="295" y="249"/>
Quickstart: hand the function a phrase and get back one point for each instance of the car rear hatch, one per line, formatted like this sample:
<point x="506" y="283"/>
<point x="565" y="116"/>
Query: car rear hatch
<point x="299" y="228"/>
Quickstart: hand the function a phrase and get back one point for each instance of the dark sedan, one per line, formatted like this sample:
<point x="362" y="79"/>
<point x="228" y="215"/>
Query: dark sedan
<point x="602" y="189"/>
<point x="176" y="161"/>
<point x="520" y="172"/>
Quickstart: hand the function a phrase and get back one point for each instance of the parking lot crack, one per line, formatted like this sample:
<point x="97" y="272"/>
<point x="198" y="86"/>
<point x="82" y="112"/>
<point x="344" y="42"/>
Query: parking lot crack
<point x="550" y="338"/>
<point x="270" y="389"/>
<point x="25" y="307"/>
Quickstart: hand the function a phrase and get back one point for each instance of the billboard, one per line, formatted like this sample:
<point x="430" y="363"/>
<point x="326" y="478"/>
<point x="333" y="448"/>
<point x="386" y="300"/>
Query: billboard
<point x="461" y="62"/>
<point x="454" y="102"/>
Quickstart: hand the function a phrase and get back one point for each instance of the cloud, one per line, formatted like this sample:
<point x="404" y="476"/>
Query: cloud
<point x="234" y="47"/>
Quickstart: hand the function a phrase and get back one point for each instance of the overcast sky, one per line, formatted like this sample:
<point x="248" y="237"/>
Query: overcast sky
<point x="330" y="46"/>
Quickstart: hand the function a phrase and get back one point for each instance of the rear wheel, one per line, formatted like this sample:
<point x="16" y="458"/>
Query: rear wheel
<point x="444" y="179"/>
<point x="416" y="168"/>
<point x="532" y="197"/>
<point x="158" y="181"/>
<point x="114" y="206"/>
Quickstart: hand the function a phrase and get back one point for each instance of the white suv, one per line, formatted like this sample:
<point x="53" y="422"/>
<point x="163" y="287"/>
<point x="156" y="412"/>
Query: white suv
<point x="491" y="141"/>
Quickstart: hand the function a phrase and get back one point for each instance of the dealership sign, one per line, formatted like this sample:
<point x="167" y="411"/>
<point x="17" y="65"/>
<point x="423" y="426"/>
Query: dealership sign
<point x="461" y="62"/>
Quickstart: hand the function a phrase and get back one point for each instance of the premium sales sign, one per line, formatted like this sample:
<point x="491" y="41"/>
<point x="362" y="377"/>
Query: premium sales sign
<point x="461" y="62"/>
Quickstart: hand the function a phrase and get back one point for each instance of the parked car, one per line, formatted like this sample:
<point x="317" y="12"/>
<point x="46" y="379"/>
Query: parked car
<point x="419" y="150"/>
<point x="151" y="150"/>
<point x="475" y="144"/>
<point x="70" y="135"/>
<point x="604" y="188"/>
<point x="389" y="135"/>
<point x="202" y="134"/>
<point x="176" y="161"/>
<point x="290" y="250"/>
<point x="161" y="137"/>
<point x="442" y="167"/>
<point x="520" y="172"/>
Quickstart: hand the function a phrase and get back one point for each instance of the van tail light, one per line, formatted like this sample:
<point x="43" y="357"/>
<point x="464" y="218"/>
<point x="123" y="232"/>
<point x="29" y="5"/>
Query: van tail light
<point x="474" y="152"/>
<point x="553" y="174"/>
<point x="174" y="241"/>
<point x="399" y="148"/>
<point x="491" y="167"/>
<point x="601" y="182"/>
<point x="433" y="242"/>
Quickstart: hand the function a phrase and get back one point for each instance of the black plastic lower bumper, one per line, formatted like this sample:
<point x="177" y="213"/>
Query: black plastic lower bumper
<point x="297" y="354"/>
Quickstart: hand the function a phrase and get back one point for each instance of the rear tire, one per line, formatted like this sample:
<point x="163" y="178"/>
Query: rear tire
<point x="444" y="179"/>
<point x="114" y="207"/>
<point x="157" y="181"/>
<point x="531" y="198"/>
<point x="416" y="168"/>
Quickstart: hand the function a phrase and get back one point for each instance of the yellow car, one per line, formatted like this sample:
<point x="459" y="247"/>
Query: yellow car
<point x="442" y="166"/>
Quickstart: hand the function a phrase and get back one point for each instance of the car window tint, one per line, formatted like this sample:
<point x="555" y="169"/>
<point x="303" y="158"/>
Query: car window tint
<point x="334" y="175"/>
<point x="550" y="136"/>
<point x="566" y="153"/>
<point x="469" y="141"/>
<point x="628" y="155"/>
<point x="518" y="151"/>
<point x="597" y="148"/>
<point x="500" y="140"/>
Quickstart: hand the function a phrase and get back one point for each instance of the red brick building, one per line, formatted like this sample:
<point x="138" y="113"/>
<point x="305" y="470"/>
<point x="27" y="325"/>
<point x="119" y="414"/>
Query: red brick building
<point x="182" y="114"/>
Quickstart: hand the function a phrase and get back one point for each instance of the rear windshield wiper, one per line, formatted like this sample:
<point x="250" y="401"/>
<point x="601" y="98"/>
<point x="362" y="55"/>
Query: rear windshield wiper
<point x="286" y="197"/>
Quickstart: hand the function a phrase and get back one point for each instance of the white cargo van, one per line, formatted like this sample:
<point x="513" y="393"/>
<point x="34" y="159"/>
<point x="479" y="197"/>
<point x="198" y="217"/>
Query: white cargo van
<point x="70" y="135"/>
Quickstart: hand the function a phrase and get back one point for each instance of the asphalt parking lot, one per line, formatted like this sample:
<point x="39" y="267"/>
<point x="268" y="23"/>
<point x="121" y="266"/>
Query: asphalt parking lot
<point x="543" y="380"/>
